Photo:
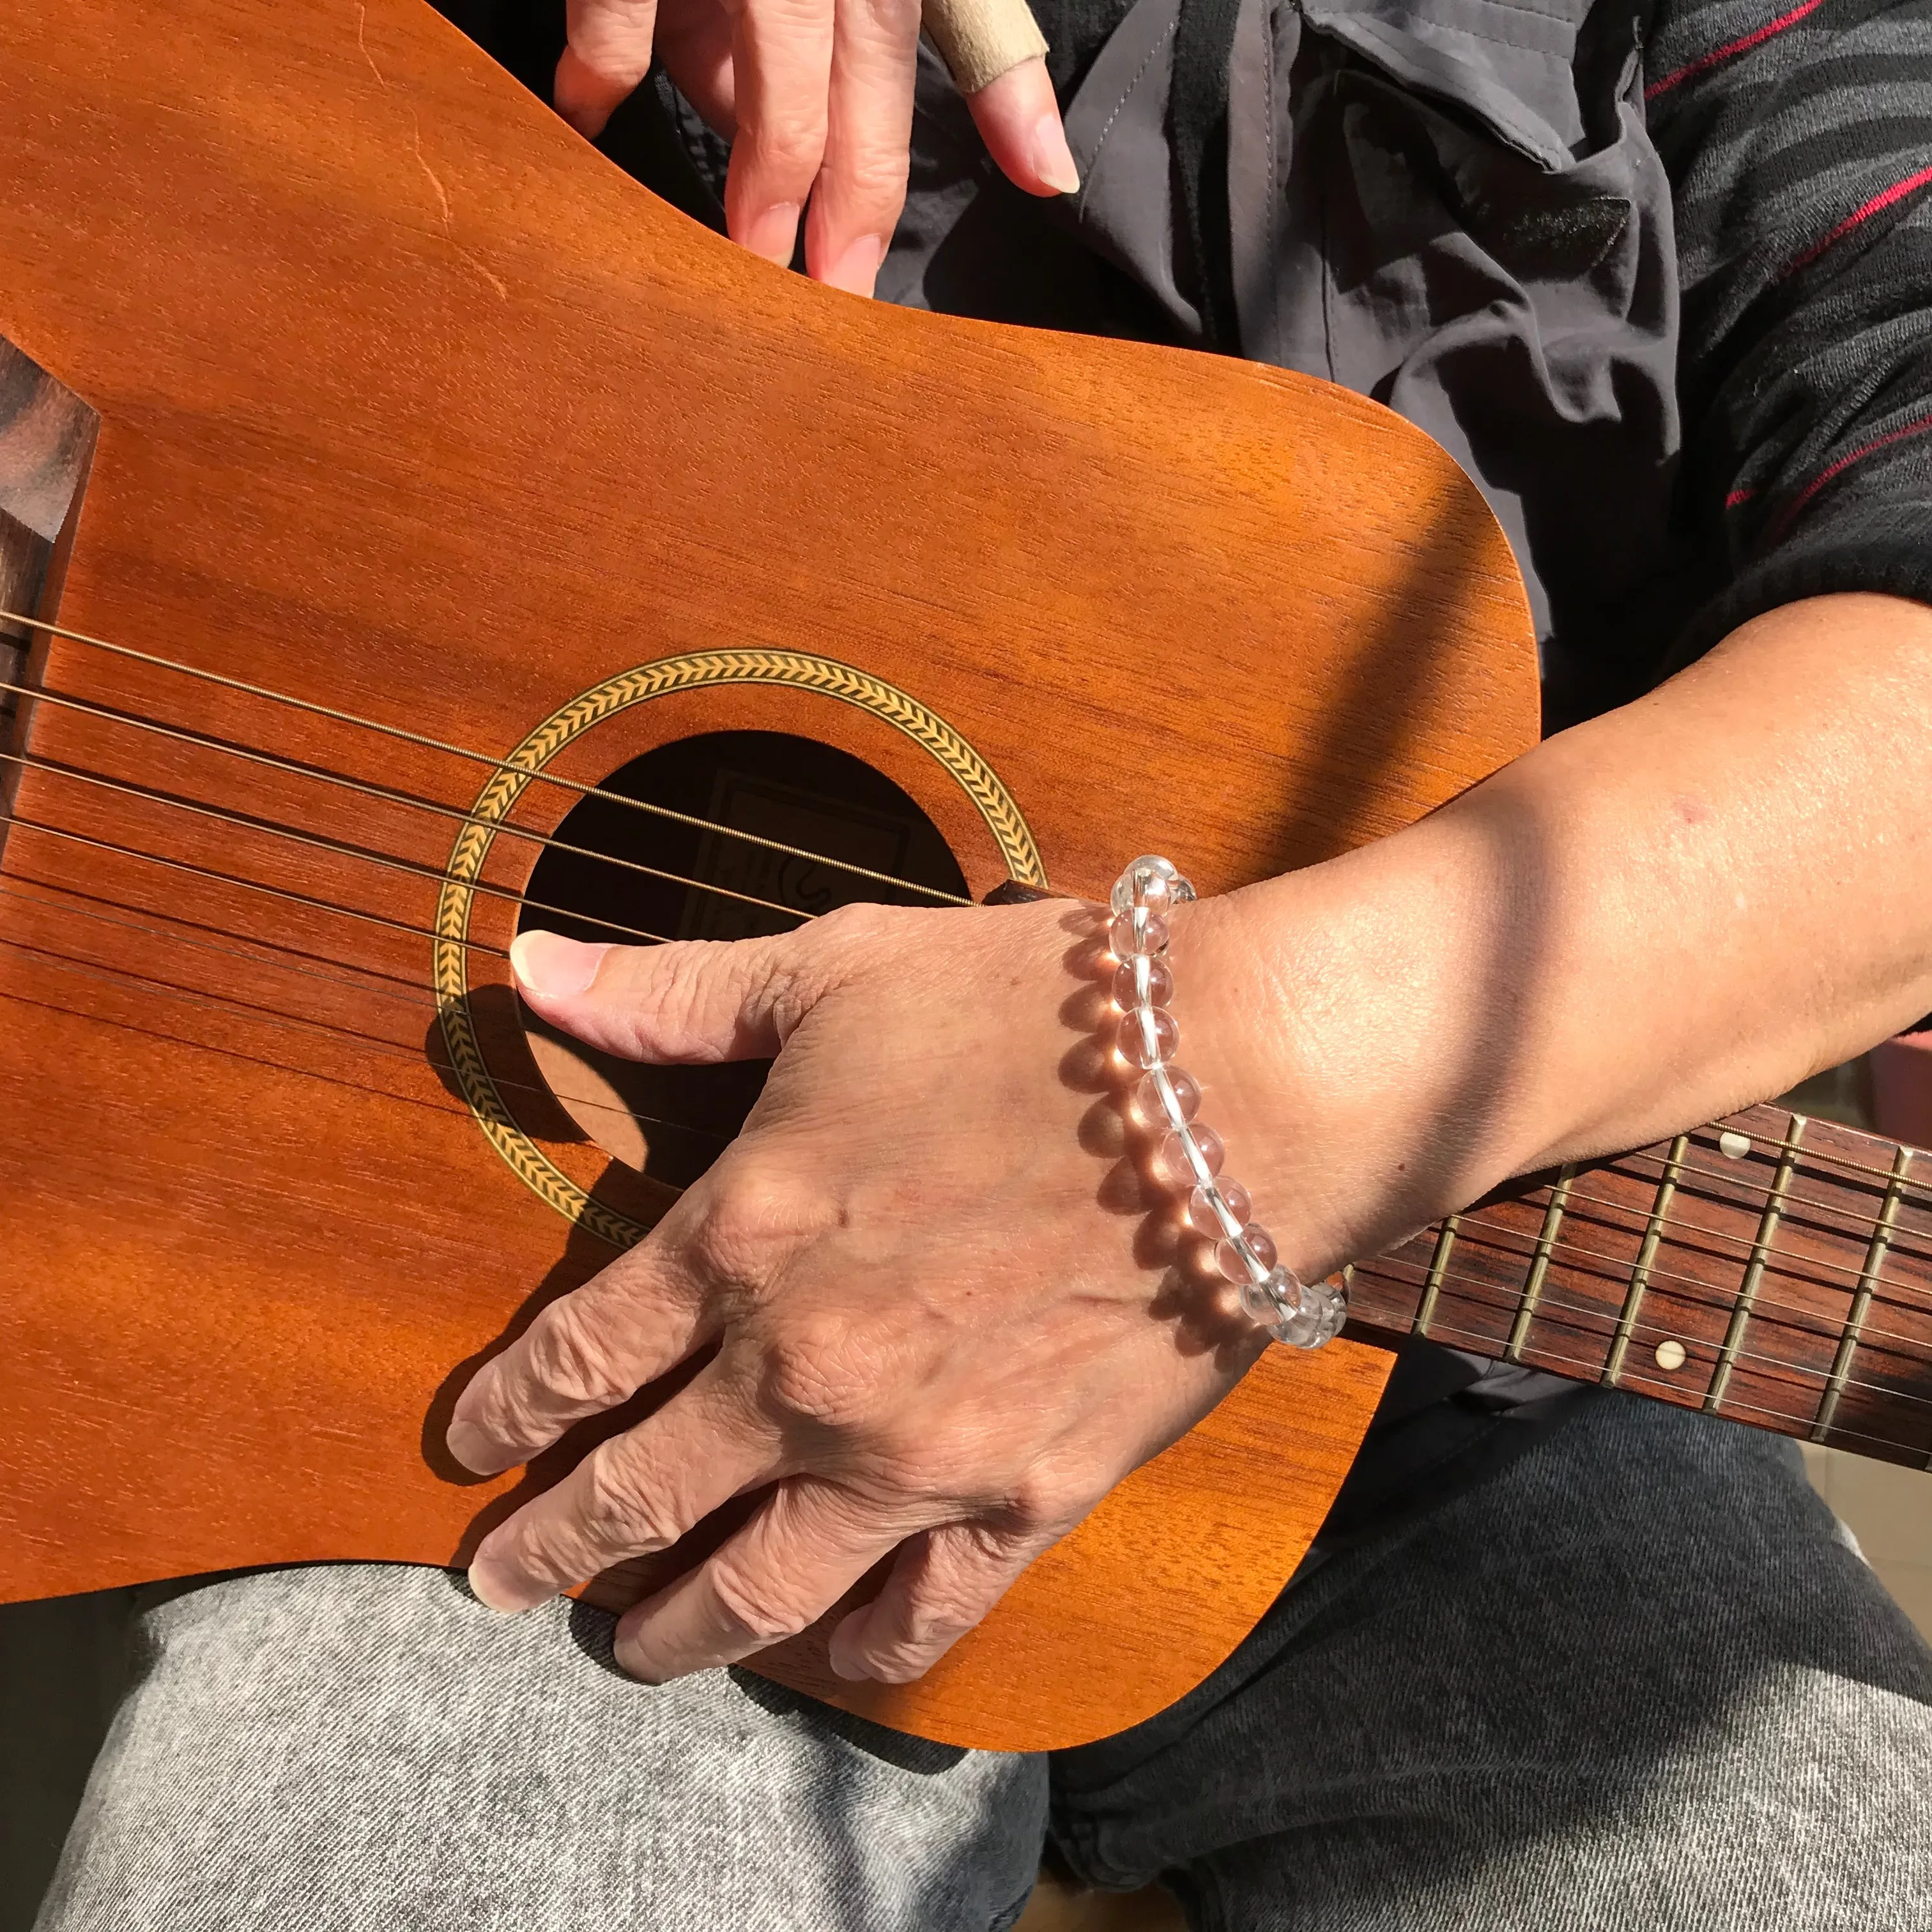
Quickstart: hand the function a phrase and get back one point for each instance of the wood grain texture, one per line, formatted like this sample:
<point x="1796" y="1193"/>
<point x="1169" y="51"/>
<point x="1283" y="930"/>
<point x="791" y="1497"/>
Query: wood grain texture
<point x="411" y="404"/>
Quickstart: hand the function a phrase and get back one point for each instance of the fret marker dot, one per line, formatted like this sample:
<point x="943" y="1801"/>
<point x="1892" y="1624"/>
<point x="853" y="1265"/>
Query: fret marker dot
<point x="1670" y="1355"/>
<point x="1733" y="1145"/>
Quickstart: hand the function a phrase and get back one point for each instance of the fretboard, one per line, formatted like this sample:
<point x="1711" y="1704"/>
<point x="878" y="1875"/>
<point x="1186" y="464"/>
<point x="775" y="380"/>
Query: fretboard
<point x="1770" y="1267"/>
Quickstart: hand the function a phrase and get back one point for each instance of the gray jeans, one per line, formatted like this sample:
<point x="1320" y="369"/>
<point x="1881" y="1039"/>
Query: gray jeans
<point x="1634" y="1680"/>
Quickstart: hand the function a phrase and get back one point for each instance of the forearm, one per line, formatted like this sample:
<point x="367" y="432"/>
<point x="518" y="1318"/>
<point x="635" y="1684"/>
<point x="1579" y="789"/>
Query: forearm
<point x="1682" y="907"/>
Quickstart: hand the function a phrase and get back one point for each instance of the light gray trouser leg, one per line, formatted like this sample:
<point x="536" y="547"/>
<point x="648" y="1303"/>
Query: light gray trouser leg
<point x="1634" y="1683"/>
<point x="366" y="1749"/>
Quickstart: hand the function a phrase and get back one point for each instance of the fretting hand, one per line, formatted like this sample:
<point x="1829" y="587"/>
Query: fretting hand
<point x="946" y="1321"/>
<point x="816" y="98"/>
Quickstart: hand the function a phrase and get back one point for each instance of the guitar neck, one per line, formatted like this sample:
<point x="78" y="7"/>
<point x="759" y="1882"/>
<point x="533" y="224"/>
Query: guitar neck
<point x="1771" y="1267"/>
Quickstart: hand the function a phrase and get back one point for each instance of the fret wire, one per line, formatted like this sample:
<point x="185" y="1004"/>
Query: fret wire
<point x="1756" y="1408"/>
<point x="1767" y="1229"/>
<point x="1653" y="1235"/>
<point x="1701" y="1297"/>
<point x="364" y="788"/>
<point x="1875" y="1255"/>
<point x="1756" y="1356"/>
<point x="1445" y="1241"/>
<point x="1539" y="1266"/>
<point x="1657" y="1274"/>
<point x="535" y="776"/>
<point x="1816" y="1155"/>
<point x="1858" y="1221"/>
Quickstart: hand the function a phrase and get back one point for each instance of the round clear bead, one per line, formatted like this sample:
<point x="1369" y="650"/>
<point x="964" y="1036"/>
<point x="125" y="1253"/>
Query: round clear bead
<point x="1172" y="1166"/>
<point x="1234" y="1264"/>
<point x="1292" y="1312"/>
<point x="1148" y="1036"/>
<point x="1143" y="981"/>
<point x="1133" y="934"/>
<point x="1153" y="881"/>
<point x="1149" y="1110"/>
<point x="1201" y="1217"/>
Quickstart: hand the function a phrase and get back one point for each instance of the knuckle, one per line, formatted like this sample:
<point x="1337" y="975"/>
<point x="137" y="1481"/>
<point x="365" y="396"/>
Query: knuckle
<point x="752" y="1222"/>
<point x="1048" y="1503"/>
<point x="567" y="1357"/>
<point x="758" y="1612"/>
<point x="788" y="147"/>
<point x="871" y="182"/>
<point x="618" y="1507"/>
<point x="822" y="1373"/>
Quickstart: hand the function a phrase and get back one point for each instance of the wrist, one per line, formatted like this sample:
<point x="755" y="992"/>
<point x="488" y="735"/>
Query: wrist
<point x="1350" y="1027"/>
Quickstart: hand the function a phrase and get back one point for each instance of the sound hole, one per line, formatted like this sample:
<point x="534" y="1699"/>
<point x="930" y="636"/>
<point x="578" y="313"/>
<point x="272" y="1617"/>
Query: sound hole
<point x="670" y="1122"/>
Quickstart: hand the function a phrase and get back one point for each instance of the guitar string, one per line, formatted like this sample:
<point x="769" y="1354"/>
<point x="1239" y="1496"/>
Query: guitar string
<point x="1700" y="1299"/>
<point x="1659" y="1274"/>
<point x="415" y="1002"/>
<point x="356" y="912"/>
<point x="1794" y="1205"/>
<point x="1770" y="1252"/>
<point x="357" y="979"/>
<point x="1648" y="1328"/>
<point x="362" y="1043"/>
<point x="1861" y="1223"/>
<point x="339" y="848"/>
<point x="358" y="1043"/>
<point x="507" y="828"/>
<point x="1815" y="1156"/>
<point x="426" y="742"/>
<point x="281" y="892"/>
<point x="23" y="620"/>
<point x="1802" y="1431"/>
<point x="20" y="619"/>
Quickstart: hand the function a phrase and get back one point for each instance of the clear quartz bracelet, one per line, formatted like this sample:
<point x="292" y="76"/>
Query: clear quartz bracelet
<point x="1186" y="1153"/>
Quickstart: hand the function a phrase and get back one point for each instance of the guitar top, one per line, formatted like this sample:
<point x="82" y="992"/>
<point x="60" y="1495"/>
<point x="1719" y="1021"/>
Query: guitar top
<point x="415" y="472"/>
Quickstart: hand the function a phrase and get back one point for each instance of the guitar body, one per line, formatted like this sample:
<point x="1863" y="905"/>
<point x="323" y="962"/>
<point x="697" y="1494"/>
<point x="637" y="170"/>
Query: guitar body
<point x="376" y="386"/>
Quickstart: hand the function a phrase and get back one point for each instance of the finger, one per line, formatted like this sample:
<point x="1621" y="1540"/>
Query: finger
<point x="609" y="53"/>
<point x="693" y="41"/>
<point x="861" y="186"/>
<point x="689" y="1002"/>
<point x="637" y="1493"/>
<point x="941" y="1585"/>
<point x="803" y="1550"/>
<point x="781" y="66"/>
<point x="585" y="1353"/>
<point x="1019" y="119"/>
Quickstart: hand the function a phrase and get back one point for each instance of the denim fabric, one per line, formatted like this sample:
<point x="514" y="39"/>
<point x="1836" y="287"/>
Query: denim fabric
<point x="1635" y="1679"/>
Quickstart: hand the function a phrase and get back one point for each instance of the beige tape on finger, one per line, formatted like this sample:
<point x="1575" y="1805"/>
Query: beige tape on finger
<point x="980" y="39"/>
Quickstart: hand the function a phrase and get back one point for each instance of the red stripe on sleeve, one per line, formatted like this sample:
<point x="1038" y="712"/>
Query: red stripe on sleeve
<point x="1878" y="203"/>
<point x="1731" y="49"/>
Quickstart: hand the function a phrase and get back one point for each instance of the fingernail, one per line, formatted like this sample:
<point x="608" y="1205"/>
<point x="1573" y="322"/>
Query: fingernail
<point x="475" y="1449"/>
<point x="634" y="1663"/>
<point x="1052" y="159"/>
<point x="774" y="233"/>
<point x="857" y="269"/>
<point x="553" y="967"/>
<point x="500" y="1593"/>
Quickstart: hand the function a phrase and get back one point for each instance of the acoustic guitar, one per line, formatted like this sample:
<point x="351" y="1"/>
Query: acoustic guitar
<point x="411" y="529"/>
